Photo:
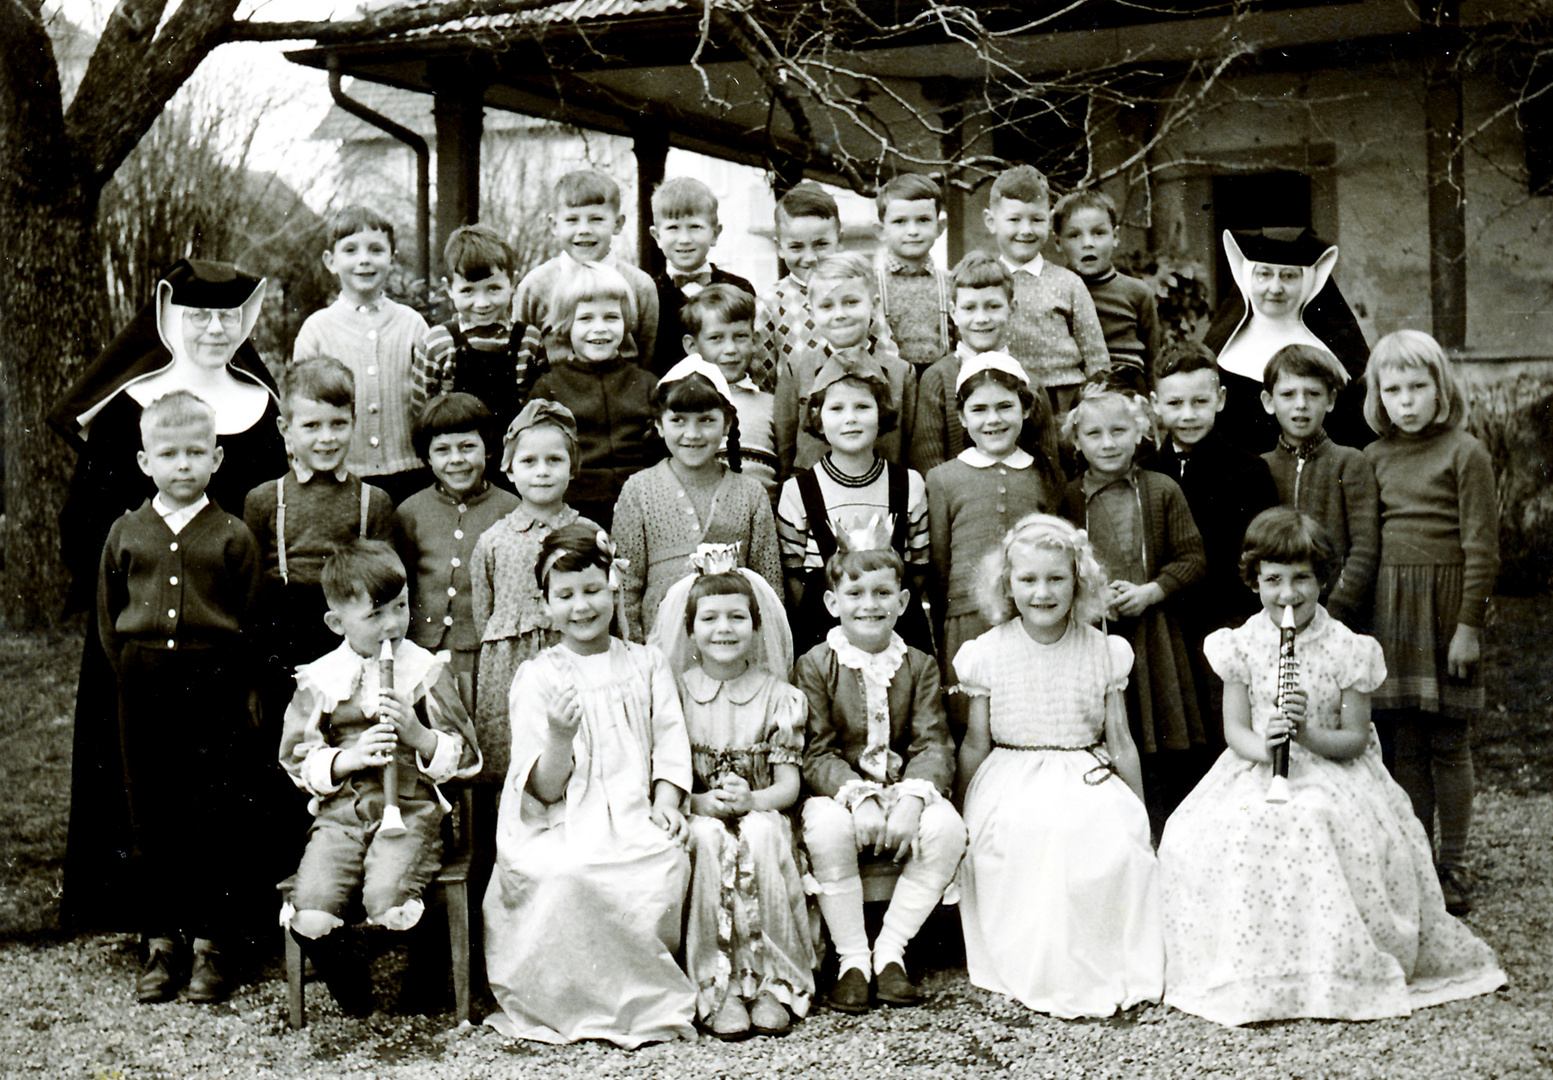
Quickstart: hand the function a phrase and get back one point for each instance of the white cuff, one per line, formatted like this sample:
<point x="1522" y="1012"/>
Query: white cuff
<point x="444" y="760"/>
<point x="318" y="771"/>
<point x="854" y="792"/>
<point x="925" y="790"/>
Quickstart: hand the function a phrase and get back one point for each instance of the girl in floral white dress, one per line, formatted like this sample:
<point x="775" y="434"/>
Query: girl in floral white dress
<point x="748" y="946"/>
<point x="1059" y="893"/>
<point x="584" y="910"/>
<point x="1326" y="905"/>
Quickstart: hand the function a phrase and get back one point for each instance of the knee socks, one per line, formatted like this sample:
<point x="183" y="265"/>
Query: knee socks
<point x="841" y="904"/>
<point x="913" y="901"/>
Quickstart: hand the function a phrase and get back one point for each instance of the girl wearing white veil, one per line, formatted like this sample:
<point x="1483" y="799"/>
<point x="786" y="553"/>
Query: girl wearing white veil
<point x="748" y="944"/>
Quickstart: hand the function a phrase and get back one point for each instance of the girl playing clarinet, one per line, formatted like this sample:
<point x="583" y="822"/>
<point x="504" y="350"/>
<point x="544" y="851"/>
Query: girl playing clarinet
<point x="1326" y="905"/>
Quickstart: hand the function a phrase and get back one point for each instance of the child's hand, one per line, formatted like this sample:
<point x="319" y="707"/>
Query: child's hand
<point x="393" y="707"/>
<point x="1464" y="652"/>
<point x="1288" y="724"/>
<point x="565" y="712"/>
<point x="373" y="750"/>
<point x="1135" y="599"/>
<point x="671" y="821"/>
<point x="868" y="825"/>
<point x="736" y="795"/>
<point x="713" y="803"/>
<point x="900" y="832"/>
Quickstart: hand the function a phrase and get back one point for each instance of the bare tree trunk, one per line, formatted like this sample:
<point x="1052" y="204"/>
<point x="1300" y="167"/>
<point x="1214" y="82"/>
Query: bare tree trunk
<point x="49" y="317"/>
<point x="51" y="302"/>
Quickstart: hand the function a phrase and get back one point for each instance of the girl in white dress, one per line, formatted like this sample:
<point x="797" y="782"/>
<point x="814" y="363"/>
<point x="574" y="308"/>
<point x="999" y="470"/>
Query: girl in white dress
<point x="582" y="917"/>
<point x="1059" y="893"/>
<point x="1326" y="905"/>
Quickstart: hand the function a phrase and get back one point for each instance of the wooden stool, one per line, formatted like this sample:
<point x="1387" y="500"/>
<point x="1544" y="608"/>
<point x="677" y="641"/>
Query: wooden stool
<point x="450" y="888"/>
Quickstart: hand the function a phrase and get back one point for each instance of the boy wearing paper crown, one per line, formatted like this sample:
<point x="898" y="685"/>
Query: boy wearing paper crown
<point x="879" y="764"/>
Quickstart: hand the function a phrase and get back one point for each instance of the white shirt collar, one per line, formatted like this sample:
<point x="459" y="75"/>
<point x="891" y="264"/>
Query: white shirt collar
<point x="178" y="517"/>
<point x="304" y="474"/>
<point x="1033" y="266"/>
<point x="1019" y="459"/>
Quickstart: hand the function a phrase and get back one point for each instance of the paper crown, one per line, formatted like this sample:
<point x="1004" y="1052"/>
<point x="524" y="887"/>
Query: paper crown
<point x="874" y="534"/>
<point x="715" y="558"/>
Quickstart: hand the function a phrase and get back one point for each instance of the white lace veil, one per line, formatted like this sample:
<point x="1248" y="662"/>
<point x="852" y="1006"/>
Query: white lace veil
<point x="773" y="641"/>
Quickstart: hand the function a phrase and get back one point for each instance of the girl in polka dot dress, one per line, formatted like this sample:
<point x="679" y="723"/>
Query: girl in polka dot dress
<point x="1326" y="905"/>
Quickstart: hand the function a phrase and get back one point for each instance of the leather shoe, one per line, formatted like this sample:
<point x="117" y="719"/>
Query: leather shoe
<point x="895" y="988"/>
<point x="206" y="983"/>
<point x="1458" y="898"/>
<point x="770" y="1016"/>
<point x="850" y="994"/>
<point x="163" y="972"/>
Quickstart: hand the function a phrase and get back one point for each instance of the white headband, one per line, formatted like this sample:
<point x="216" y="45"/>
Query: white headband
<point x="694" y="364"/>
<point x="990" y="361"/>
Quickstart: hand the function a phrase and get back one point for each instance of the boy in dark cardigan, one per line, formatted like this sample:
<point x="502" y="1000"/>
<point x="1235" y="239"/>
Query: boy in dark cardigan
<point x="1225" y="487"/>
<point x="179" y="577"/>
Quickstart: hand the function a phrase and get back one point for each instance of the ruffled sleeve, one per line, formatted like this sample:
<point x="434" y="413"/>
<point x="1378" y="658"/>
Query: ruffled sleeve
<point x="972" y="668"/>
<point x="1361" y="665"/>
<point x="789" y="712"/>
<point x="1227" y="658"/>
<point x="1121" y="664"/>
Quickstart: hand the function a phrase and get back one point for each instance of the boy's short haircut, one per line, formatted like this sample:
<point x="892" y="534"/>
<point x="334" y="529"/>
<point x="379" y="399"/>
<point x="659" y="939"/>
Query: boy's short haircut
<point x="983" y="270"/>
<point x="587" y="187"/>
<point x="808" y="199"/>
<point x="909" y="187"/>
<point x="369" y="568"/>
<point x="476" y="252"/>
<point x="726" y="303"/>
<point x="889" y="415"/>
<point x="320" y="378"/>
<point x="449" y="414"/>
<point x="683" y="197"/>
<point x="845" y="266"/>
<point x="1305" y="362"/>
<point x="1085" y="199"/>
<point x="854" y="564"/>
<point x="579" y="284"/>
<point x="1022" y="183"/>
<point x="1284" y="535"/>
<point x="353" y="219"/>
<point x="1183" y="358"/>
<point x="176" y="409"/>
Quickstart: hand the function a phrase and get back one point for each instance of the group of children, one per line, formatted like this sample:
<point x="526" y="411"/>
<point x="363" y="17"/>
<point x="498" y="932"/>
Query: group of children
<point x="772" y="596"/>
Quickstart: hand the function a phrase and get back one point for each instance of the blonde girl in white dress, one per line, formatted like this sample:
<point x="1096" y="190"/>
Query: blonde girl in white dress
<point x="1059" y="887"/>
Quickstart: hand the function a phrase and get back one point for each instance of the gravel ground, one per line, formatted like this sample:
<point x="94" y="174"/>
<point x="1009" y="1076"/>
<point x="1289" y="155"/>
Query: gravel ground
<point x="65" y="1011"/>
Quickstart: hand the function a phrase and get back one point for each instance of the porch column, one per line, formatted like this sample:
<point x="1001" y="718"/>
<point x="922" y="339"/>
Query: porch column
<point x="1446" y="172"/>
<point x="650" y="144"/>
<point x="458" y="108"/>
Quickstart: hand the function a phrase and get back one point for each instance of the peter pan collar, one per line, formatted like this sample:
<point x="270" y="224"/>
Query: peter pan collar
<point x="976" y="459"/>
<point x="741" y="691"/>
